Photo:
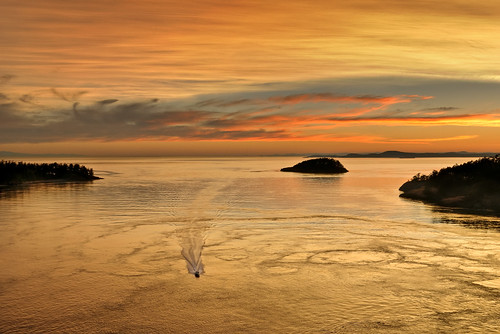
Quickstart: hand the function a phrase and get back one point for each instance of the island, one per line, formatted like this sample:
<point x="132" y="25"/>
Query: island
<point x="14" y="173"/>
<point x="472" y="185"/>
<point x="317" y="166"/>
<point x="408" y="155"/>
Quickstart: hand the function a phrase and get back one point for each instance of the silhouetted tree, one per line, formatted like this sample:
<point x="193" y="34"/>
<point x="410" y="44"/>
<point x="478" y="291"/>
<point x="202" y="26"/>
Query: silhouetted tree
<point x="474" y="184"/>
<point x="12" y="172"/>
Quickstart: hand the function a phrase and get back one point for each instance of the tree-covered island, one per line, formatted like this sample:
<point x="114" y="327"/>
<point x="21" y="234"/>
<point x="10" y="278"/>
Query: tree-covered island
<point x="317" y="166"/>
<point x="12" y="173"/>
<point x="474" y="185"/>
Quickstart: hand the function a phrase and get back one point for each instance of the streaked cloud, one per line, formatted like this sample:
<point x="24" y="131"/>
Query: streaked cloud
<point x="245" y="116"/>
<point x="432" y="140"/>
<point x="168" y="49"/>
<point x="211" y="70"/>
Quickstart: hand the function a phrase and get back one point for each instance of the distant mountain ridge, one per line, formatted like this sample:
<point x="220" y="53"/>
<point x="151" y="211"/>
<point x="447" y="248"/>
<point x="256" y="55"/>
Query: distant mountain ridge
<point x="409" y="155"/>
<point x="386" y="154"/>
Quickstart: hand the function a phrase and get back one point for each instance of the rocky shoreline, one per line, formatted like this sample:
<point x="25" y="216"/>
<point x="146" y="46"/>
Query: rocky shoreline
<point x="472" y="185"/>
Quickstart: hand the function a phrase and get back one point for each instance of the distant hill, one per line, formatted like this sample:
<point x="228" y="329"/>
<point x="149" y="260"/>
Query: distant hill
<point x="409" y="155"/>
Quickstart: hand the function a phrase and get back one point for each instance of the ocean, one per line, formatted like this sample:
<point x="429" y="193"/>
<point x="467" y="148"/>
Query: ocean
<point x="276" y="252"/>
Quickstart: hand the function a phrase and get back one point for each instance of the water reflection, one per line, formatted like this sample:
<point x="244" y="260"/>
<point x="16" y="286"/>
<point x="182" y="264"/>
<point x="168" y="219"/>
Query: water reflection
<point x="20" y="190"/>
<point x="466" y="217"/>
<point x="470" y="221"/>
<point x="312" y="255"/>
<point x="8" y="192"/>
<point x="471" y="218"/>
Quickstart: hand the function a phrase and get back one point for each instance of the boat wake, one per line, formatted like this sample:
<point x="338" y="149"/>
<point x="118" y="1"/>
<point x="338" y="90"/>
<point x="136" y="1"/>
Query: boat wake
<point x="192" y="247"/>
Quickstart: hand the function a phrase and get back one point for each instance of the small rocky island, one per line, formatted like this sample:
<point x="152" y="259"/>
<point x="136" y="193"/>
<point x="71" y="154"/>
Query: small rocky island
<point x="14" y="173"/>
<point x="317" y="166"/>
<point x="472" y="185"/>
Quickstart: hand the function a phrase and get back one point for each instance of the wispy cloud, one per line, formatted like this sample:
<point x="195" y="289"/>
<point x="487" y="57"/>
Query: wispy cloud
<point x="262" y="117"/>
<point x="479" y="120"/>
<point x="430" y="140"/>
<point x="68" y="96"/>
<point x="327" y="97"/>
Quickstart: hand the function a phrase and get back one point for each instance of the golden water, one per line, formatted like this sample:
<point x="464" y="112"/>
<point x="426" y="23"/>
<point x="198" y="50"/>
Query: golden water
<point x="282" y="252"/>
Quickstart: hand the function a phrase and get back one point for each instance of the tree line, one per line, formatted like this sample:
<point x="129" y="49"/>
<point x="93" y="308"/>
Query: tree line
<point x="12" y="172"/>
<point x="484" y="168"/>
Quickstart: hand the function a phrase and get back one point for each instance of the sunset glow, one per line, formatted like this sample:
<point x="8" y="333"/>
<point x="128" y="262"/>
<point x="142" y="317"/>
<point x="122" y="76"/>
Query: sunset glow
<point x="249" y="77"/>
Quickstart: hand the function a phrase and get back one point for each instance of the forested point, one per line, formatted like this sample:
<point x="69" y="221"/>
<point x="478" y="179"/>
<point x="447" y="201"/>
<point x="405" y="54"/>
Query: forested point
<point x="12" y="172"/>
<point x="474" y="184"/>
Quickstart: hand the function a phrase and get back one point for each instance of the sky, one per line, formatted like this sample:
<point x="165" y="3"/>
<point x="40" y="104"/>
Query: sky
<point x="210" y="77"/>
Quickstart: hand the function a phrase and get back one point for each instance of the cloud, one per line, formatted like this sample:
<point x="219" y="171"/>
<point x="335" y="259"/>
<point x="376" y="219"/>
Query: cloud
<point x="431" y="140"/>
<point x="315" y="98"/>
<point x="364" y="99"/>
<point x="108" y="101"/>
<point x="434" y="111"/>
<point x="68" y="96"/>
<point x="253" y="115"/>
<point x="27" y="98"/>
<point x="100" y="121"/>
<point x="492" y="120"/>
<point x="423" y="7"/>
<point x="6" y="78"/>
<point x="441" y="109"/>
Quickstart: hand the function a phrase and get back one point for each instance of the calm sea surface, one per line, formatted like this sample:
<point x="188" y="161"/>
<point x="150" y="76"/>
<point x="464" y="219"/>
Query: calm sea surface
<point x="277" y="252"/>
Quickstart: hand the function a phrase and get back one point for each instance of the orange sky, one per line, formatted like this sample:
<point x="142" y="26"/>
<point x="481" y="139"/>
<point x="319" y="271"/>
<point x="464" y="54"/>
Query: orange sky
<point x="160" y="77"/>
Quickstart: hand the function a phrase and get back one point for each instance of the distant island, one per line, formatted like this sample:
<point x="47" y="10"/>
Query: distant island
<point x="474" y="185"/>
<point x="408" y="155"/>
<point x="317" y="166"/>
<point x="13" y="173"/>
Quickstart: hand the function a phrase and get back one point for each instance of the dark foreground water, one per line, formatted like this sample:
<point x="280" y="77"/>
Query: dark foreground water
<point x="276" y="252"/>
